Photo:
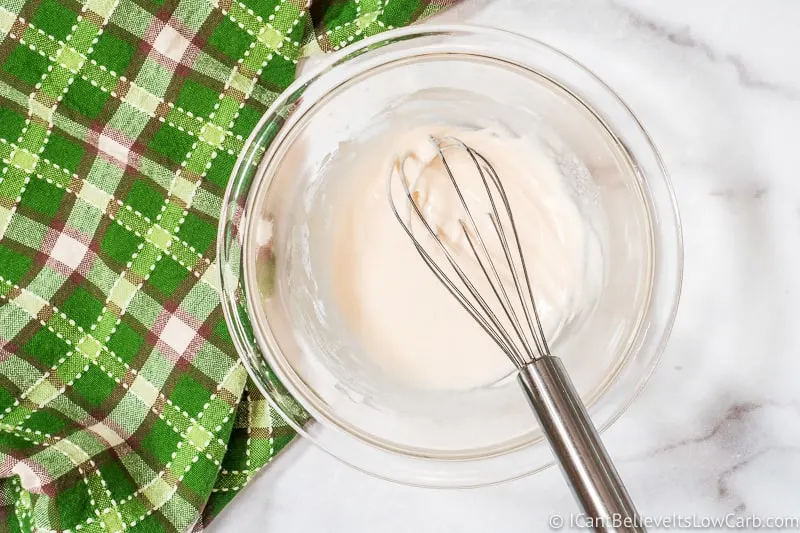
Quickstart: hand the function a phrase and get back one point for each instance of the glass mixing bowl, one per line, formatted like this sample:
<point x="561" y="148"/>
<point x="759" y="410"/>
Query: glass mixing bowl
<point x="275" y="245"/>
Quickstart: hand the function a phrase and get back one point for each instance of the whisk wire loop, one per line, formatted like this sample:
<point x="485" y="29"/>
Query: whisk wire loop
<point x="522" y="345"/>
<point x="492" y="327"/>
<point x="540" y="340"/>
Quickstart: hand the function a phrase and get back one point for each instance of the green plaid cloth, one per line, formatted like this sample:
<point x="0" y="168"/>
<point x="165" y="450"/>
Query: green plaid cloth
<point x="122" y="402"/>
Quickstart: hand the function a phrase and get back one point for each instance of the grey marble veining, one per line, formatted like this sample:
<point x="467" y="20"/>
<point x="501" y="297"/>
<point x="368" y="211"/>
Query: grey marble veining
<point x="717" y="429"/>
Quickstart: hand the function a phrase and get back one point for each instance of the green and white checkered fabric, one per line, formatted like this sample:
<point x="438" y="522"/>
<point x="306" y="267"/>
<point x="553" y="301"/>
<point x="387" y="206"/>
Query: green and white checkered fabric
<point x="122" y="402"/>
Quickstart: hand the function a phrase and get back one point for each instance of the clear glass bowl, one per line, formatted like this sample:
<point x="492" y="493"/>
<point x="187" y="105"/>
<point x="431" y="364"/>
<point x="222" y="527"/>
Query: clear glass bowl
<point x="275" y="233"/>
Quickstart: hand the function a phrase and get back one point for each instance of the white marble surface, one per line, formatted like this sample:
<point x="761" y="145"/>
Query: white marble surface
<point x="717" y="430"/>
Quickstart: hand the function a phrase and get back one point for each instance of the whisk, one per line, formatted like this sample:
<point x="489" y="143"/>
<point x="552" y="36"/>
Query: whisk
<point x="498" y="295"/>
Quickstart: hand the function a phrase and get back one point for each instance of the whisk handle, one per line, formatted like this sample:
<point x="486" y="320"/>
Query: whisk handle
<point x="576" y="444"/>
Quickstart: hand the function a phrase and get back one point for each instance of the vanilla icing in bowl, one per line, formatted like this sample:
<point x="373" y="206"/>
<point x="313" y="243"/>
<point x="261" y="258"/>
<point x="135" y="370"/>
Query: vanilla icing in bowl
<point x="465" y="78"/>
<point x="406" y="321"/>
<point x="423" y="378"/>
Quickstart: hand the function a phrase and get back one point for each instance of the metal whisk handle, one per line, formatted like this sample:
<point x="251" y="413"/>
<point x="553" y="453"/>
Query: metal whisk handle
<point x="578" y="448"/>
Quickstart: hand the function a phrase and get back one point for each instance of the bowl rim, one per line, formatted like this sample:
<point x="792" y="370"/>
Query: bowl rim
<point x="323" y="67"/>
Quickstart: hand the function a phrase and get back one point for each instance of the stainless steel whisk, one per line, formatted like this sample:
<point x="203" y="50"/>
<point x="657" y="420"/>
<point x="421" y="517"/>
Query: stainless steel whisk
<point x="505" y="308"/>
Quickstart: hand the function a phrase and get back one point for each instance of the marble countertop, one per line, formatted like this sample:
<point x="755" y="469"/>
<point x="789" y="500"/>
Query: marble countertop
<point x="717" y="429"/>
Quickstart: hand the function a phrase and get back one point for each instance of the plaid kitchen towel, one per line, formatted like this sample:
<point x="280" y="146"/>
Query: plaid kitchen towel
<point x="122" y="402"/>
